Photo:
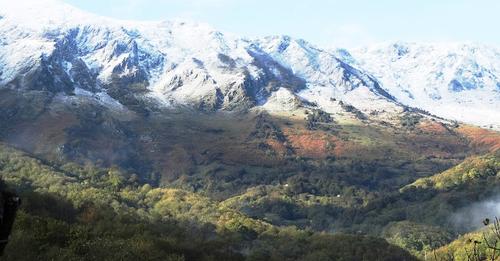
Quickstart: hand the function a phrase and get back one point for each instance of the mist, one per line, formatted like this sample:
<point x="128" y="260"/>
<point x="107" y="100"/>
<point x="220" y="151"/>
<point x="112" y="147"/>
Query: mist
<point x="471" y="217"/>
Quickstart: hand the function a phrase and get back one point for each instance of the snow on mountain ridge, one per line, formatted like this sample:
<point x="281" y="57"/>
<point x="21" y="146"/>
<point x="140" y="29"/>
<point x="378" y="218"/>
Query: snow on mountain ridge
<point x="453" y="80"/>
<point x="184" y="63"/>
<point x="177" y="62"/>
<point x="103" y="43"/>
<point x="328" y="78"/>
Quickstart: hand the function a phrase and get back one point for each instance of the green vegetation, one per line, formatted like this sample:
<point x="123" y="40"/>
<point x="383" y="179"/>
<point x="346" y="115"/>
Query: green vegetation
<point x="189" y="185"/>
<point x="470" y="171"/>
<point x="318" y="119"/>
<point x="410" y="120"/>
<point x="417" y="238"/>
<point x="349" y="108"/>
<point x="87" y="213"/>
<point x="483" y="244"/>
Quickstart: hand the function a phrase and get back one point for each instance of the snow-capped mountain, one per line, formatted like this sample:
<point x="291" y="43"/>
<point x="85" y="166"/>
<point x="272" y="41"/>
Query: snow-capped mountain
<point x="52" y="46"/>
<point x="454" y="81"/>
<point x="328" y="77"/>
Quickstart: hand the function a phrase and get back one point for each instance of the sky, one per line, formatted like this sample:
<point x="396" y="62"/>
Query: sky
<point x="328" y="23"/>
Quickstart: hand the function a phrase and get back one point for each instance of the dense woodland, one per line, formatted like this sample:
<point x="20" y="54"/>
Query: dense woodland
<point x="73" y="212"/>
<point x="88" y="213"/>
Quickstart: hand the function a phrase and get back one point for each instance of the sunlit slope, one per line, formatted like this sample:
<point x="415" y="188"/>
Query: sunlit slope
<point x="78" y="213"/>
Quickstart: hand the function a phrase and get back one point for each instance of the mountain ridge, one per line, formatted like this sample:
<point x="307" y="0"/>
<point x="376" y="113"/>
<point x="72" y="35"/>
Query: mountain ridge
<point x="149" y="64"/>
<point x="458" y="81"/>
<point x="265" y="148"/>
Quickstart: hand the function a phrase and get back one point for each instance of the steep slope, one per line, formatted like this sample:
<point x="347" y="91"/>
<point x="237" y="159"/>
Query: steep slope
<point x="454" y="81"/>
<point x="181" y="62"/>
<point x="327" y="76"/>
<point x="54" y="47"/>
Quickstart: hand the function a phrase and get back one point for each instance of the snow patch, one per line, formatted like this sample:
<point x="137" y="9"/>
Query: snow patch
<point x="282" y="100"/>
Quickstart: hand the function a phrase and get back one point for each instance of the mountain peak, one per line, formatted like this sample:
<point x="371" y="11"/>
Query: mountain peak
<point x="43" y="13"/>
<point x="54" y="45"/>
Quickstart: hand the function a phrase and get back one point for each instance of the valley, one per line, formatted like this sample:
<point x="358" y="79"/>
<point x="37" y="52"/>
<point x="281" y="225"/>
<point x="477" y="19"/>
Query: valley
<point x="174" y="141"/>
<point x="324" y="174"/>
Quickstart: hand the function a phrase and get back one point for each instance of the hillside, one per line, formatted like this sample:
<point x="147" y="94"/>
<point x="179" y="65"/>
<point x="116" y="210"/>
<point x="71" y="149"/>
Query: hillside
<point x="172" y="140"/>
<point x="470" y="246"/>
<point x="87" y="213"/>
<point x="467" y="172"/>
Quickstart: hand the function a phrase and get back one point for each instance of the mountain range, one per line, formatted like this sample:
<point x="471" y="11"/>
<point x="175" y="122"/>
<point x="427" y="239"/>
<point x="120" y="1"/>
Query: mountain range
<point x="171" y="140"/>
<point x="52" y="46"/>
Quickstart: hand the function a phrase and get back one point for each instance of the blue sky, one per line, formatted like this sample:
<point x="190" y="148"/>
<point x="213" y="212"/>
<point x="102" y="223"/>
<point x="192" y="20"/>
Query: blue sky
<point x="347" y="23"/>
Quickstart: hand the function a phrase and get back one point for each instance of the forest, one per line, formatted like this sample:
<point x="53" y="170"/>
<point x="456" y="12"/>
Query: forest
<point x="88" y="213"/>
<point x="106" y="185"/>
